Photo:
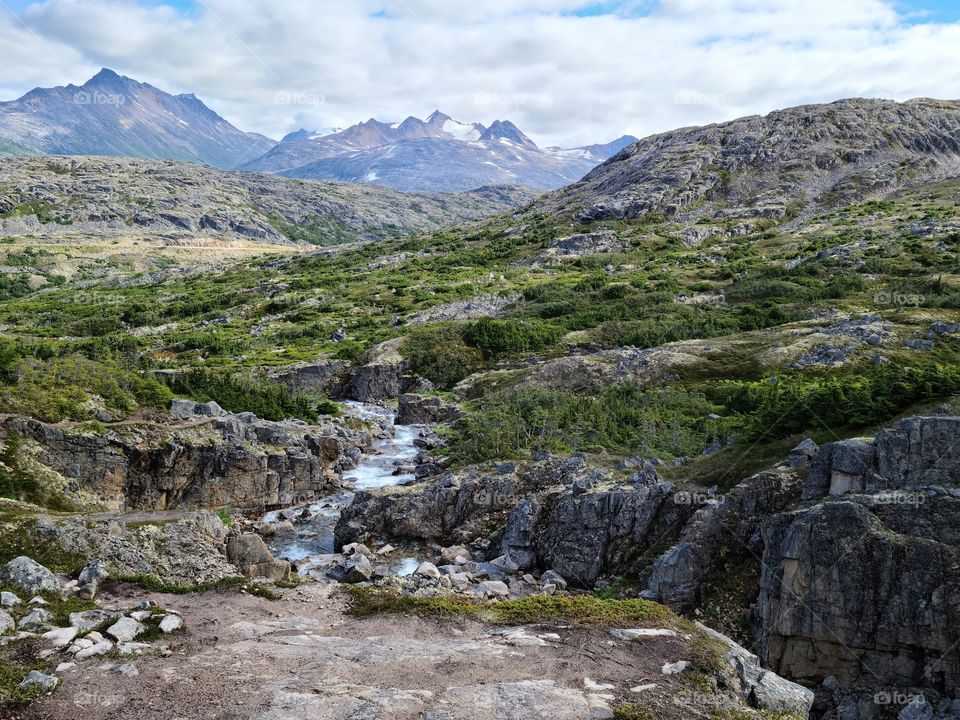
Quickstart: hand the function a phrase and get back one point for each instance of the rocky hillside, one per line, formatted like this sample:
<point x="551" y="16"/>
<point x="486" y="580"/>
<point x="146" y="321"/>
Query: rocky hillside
<point x="104" y="198"/>
<point x="439" y="154"/>
<point x="790" y="162"/>
<point x="116" y="115"/>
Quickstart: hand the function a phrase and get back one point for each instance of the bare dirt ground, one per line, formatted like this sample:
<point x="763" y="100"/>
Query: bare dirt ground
<point x="245" y="657"/>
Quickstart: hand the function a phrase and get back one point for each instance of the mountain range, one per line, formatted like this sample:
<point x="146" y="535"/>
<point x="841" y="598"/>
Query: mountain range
<point x="438" y="153"/>
<point x="115" y="115"/>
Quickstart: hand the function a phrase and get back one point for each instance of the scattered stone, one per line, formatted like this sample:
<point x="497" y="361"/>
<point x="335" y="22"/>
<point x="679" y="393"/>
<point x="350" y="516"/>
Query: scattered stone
<point x="37" y="619"/>
<point x="386" y="550"/>
<point x="450" y="555"/>
<point x="595" y="686"/>
<point x="493" y="589"/>
<point x="427" y="569"/>
<point x="126" y="629"/>
<point x="65" y="667"/>
<point x="675" y="668"/>
<point x="643" y="688"/>
<point x="353" y="570"/>
<point x="9" y="599"/>
<point x="61" y="637"/>
<point x="90" y="578"/>
<point x="29" y="575"/>
<point x="553" y="578"/>
<point x="355" y="549"/>
<point x="100" y="648"/>
<point x="89" y="619"/>
<point x="171" y="623"/>
<point x="642" y="633"/>
<point x="133" y="648"/>
<point x="7" y="622"/>
<point x="250" y="554"/>
<point x="38" y="601"/>
<point x="34" y="679"/>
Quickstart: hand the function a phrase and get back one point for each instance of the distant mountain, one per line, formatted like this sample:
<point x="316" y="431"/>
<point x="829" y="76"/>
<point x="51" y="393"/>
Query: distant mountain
<point x="115" y="115"/>
<point x="436" y="154"/>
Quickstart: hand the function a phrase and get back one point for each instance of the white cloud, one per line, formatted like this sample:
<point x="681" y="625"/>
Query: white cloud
<point x="564" y="79"/>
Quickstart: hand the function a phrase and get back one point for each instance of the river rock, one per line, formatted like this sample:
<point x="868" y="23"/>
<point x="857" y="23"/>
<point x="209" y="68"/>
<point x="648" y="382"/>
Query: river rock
<point x="29" y="575"/>
<point x="356" y="569"/>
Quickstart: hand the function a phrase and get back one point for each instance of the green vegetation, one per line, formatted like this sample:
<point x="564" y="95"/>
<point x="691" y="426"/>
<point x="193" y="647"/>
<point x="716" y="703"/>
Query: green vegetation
<point x="622" y="419"/>
<point x="266" y="399"/>
<point x="580" y="609"/>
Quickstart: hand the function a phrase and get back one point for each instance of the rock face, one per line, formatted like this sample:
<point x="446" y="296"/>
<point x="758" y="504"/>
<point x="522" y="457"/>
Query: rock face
<point x="187" y="551"/>
<point x="867" y="576"/>
<point x="423" y="410"/>
<point x="383" y="373"/>
<point x="757" y="167"/>
<point x="209" y="460"/>
<point x="553" y="513"/>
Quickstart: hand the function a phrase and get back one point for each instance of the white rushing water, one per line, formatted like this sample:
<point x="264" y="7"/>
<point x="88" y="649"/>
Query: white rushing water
<point x="375" y="470"/>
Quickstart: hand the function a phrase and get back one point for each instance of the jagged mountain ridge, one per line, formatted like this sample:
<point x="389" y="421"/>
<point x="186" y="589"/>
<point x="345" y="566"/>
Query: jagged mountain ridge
<point x="773" y="166"/>
<point x="115" y="115"/>
<point x="436" y="154"/>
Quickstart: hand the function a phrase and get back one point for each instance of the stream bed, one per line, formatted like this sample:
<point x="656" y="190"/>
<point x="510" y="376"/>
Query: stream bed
<point x="376" y="468"/>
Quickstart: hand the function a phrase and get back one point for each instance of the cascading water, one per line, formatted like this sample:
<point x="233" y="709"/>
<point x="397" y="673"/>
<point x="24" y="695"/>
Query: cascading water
<point x="314" y="537"/>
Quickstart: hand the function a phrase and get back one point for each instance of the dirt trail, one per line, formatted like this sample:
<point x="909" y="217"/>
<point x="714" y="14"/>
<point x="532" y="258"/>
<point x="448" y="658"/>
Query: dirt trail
<point x="301" y="657"/>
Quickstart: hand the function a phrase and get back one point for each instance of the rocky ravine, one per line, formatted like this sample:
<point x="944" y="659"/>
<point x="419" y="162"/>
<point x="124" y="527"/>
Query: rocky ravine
<point x="854" y="545"/>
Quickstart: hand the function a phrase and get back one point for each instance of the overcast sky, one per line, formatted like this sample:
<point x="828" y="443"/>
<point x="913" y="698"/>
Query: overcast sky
<point x="568" y="72"/>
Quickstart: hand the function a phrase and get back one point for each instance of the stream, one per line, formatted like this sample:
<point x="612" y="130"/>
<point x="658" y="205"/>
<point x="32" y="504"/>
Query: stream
<point x="314" y="537"/>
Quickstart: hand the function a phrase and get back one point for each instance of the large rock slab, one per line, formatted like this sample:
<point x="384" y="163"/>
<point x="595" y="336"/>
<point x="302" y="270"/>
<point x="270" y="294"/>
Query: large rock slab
<point x="29" y="575"/>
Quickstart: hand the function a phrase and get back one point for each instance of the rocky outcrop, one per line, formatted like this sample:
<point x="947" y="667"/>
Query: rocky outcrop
<point x="553" y="513"/>
<point x="868" y="576"/>
<point x="722" y="526"/>
<point x="184" y="551"/>
<point x="208" y="459"/>
<point x="425" y="409"/>
<point x="328" y="377"/>
<point x="384" y="373"/>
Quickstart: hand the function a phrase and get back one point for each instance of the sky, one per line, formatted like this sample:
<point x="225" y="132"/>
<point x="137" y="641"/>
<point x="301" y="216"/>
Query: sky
<point x="567" y="72"/>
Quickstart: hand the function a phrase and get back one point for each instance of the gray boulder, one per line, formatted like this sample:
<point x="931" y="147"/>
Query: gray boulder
<point x="29" y="575"/>
<point x="356" y="569"/>
<point x="7" y="622"/>
<point x="250" y="554"/>
<point x="761" y="688"/>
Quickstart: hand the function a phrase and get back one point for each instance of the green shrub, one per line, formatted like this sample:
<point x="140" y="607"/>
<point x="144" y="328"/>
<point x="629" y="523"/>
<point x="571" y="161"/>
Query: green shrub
<point x="440" y="354"/>
<point x="622" y="419"/>
<point x="511" y="336"/>
<point x="259" y="395"/>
